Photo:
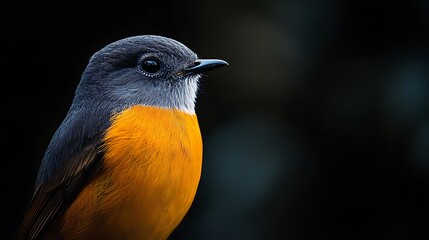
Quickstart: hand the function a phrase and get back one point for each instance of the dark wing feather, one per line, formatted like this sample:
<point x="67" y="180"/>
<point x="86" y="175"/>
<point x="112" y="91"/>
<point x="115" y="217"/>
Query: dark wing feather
<point x="49" y="203"/>
<point x="72" y="158"/>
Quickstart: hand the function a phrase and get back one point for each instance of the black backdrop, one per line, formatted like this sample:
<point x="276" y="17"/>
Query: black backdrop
<point x="318" y="129"/>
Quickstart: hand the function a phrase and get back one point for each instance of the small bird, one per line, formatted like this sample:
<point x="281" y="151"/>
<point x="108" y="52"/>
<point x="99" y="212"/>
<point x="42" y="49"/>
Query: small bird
<point x="126" y="161"/>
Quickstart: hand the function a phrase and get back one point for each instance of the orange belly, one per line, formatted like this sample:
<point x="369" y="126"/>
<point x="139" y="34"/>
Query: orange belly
<point x="152" y="167"/>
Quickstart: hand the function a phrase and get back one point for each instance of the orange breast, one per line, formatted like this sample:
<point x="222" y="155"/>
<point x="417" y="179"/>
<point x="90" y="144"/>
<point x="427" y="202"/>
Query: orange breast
<point x="152" y="169"/>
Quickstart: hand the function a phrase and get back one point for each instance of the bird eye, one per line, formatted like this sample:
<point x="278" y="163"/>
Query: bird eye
<point x="150" y="65"/>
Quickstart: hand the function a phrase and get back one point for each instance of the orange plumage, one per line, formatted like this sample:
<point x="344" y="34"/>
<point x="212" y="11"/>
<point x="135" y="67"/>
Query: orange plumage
<point x="152" y="167"/>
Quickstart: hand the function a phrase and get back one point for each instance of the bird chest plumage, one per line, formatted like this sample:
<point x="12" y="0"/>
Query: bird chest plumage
<point x="152" y="167"/>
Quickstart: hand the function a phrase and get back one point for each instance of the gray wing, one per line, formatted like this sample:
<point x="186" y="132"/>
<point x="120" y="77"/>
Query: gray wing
<point x="72" y="158"/>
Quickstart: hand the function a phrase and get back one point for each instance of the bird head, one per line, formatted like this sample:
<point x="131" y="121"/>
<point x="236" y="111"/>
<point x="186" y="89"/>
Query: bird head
<point x="148" y="70"/>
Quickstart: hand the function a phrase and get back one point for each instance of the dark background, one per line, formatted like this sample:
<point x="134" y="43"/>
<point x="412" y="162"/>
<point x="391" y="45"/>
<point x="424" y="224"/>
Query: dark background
<point x="318" y="129"/>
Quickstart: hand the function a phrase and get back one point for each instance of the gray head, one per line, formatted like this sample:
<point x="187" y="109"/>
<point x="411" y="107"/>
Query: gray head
<point x="148" y="70"/>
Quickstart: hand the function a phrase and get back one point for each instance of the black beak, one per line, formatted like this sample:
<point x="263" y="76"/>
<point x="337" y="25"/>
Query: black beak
<point x="204" y="65"/>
